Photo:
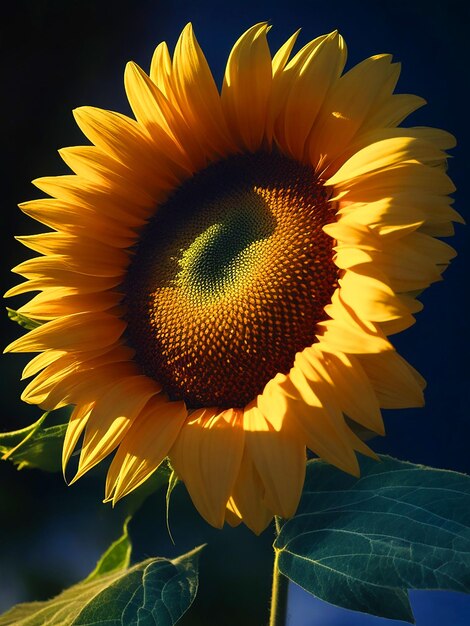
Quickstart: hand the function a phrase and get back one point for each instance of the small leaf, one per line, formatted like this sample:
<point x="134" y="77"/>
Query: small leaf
<point x="131" y="503"/>
<point x="34" y="446"/>
<point x="155" y="591"/>
<point x="16" y="437"/>
<point x="172" y="482"/>
<point x="22" y="320"/>
<point x="362" y="543"/>
<point x="116" y="557"/>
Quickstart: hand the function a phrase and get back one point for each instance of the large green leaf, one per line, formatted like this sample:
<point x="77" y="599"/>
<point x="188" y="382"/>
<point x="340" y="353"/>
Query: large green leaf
<point x="35" y="446"/>
<point x="362" y="543"/>
<point x="155" y="591"/>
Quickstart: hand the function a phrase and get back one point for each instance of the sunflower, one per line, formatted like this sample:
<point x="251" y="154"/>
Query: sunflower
<point x="223" y="272"/>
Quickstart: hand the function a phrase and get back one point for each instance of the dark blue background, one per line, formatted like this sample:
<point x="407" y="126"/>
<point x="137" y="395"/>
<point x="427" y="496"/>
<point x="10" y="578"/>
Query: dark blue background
<point x="59" y="55"/>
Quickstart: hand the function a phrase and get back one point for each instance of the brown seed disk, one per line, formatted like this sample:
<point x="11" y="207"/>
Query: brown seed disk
<point x="230" y="278"/>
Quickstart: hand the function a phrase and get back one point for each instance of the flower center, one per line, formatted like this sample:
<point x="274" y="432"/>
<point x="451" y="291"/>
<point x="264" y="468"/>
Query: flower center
<point x="230" y="278"/>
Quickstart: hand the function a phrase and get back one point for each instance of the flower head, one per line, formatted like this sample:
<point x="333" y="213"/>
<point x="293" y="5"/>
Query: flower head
<point x="224" y="271"/>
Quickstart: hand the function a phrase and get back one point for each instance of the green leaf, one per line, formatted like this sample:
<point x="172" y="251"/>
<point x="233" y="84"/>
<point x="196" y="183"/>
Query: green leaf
<point x="34" y="446"/>
<point x="22" y="320"/>
<point x="155" y="591"/>
<point x="362" y="543"/>
<point x="116" y="557"/>
<point x="131" y="503"/>
<point x="172" y="482"/>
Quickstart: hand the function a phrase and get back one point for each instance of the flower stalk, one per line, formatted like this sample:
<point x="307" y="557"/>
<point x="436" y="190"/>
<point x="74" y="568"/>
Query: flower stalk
<point x="278" y="613"/>
<point x="279" y="590"/>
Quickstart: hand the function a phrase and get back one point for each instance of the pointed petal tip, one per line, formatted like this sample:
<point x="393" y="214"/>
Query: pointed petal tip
<point x="11" y="292"/>
<point x="260" y="28"/>
<point x="78" y="475"/>
<point x="13" y="346"/>
<point x="37" y="183"/>
<point x="81" y="471"/>
<point x="83" y="114"/>
<point x="78" y="112"/>
<point x="23" y="206"/>
<point x="110" y="499"/>
<point x="217" y="523"/>
<point x="355" y="471"/>
<point x="258" y="525"/>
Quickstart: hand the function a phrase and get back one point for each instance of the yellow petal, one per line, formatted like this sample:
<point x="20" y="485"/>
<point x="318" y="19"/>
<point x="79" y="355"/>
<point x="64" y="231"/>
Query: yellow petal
<point x="439" y="138"/>
<point x="111" y="417"/>
<point x="283" y="78"/>
<point x="405" y="178"/>
<point x="397" y="325"/>
<point x="309" y="82"/>
<point x="282" y="55"/>
<point x="75" y="428"/>
<point x="367" y="138"/>
<point x="396" y="383"/>
<point x="106" y="174"/>
<point x="106" y="198"/>
<point x="411" y="263"/>
<point x="385" y="154"/>
<point x="70" y="370"/>
<point x="360" y="446"/>
<point x="119" y="137"/>
<point x="392" y="111"/>
<point x="349" y="104"/>
<point x="246" y="88"/>
<point x="356" y="397"/>
<point x="57" y="243"/>
<point x="438" y="229"/>
<point x="371" y="298"/>
<point x="80" y="387"/>
<point x="145" y="446"/>
<point x="345" y="332"/>
<point x="160" y="69"/>
<point x="358" y="235"/>
<point x="63" y="278"/>
<point x="207" y="456"/>
<point x="56" y="302"/>
<point x="91" y="162"/>
<point x="40" y="361"/>
<point x="165" y="124"/>
<point x="45" y="266"/>
<point x="278" y="454"/>
<point x="65" y="217"/>
<point x="232" y="515"/>
<point x="248" y="496"/>
<point x="81" y="331"/>
<point x="197" y="95"/>
<point x="391" y="216"/>
<point x="339" y="335"/>
<point x="316" y="410"/>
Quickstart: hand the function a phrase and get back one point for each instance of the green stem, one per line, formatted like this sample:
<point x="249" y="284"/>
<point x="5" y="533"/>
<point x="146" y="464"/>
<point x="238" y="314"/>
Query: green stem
<point x="280" y="584"/>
